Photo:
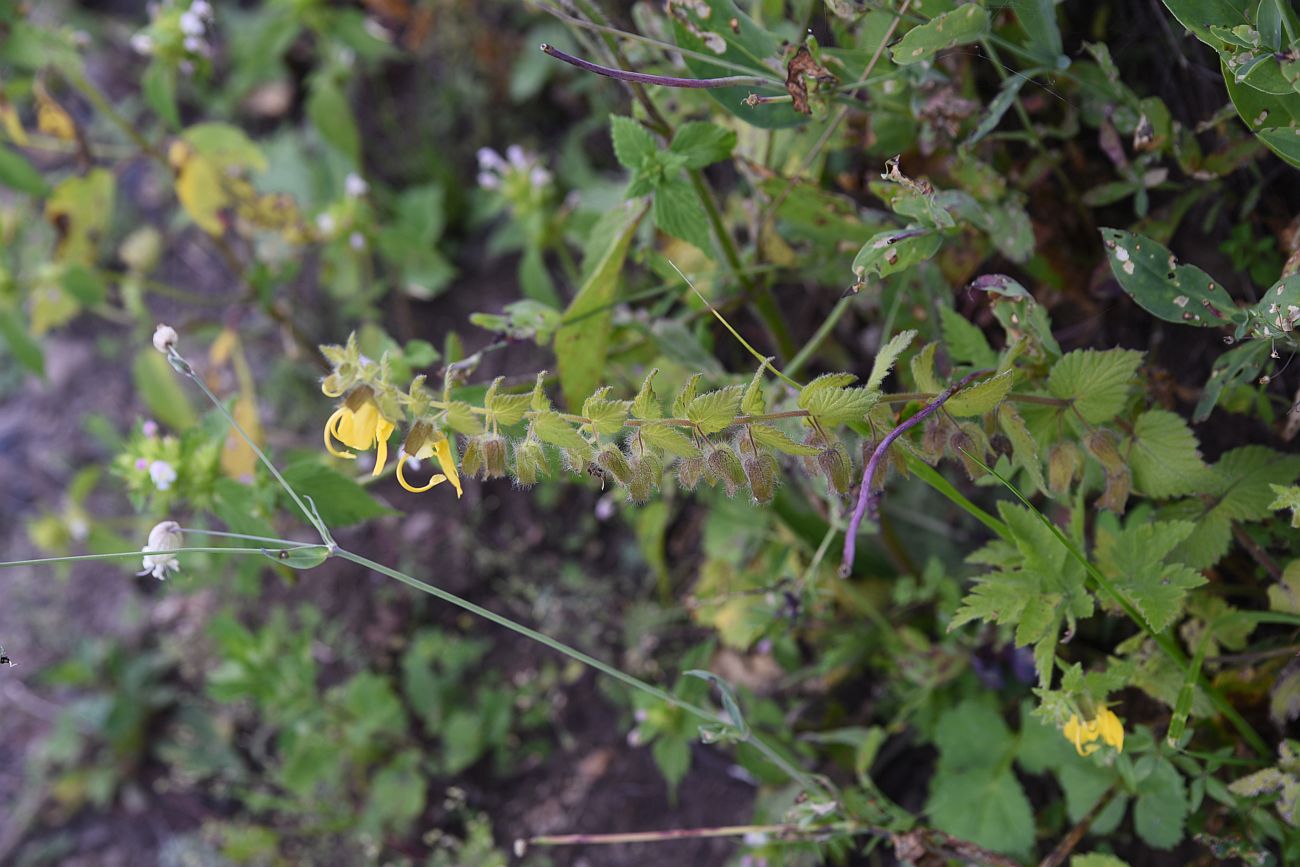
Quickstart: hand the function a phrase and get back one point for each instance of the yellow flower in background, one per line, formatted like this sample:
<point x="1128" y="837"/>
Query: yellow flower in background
<point x="359" y="424"/>
<point x="422" y="443"/>
<point x="1105" y="726"/>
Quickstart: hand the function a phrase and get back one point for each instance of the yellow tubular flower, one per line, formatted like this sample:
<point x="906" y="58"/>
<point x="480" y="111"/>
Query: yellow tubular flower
<point x="1106" y="726"/>
<point x="359" y="424"/>
<point x="422" y="443"/>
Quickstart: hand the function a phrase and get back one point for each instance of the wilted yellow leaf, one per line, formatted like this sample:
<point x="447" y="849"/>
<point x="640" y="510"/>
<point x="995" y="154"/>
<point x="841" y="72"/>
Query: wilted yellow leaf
<point x="51" y="118"/>
<point x="79" y="209"/>
<point x="199" y="187"/>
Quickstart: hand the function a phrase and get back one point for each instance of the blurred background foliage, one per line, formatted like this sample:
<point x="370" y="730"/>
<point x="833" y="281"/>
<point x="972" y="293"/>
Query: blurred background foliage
<point x="271" y="176"/>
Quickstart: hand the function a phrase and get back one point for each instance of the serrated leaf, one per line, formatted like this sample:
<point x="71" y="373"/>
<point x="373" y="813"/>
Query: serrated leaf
<point x="923" y="370"/>
<point x="669" y="438"/>
<point x="887" y="356"/>
<point x="981" y="397"/>
<point x="633" y="144"/>
<point x="509" y="409"/>
<point x="537" y="399"/>
<point x="1165" y="288"/>
<point x="1136" y="559"/>
<point x="701" y="143"/>
<point x="968" y="23"/>
<point x="1024" y="447"/>
<point x="1244" y="479"/>
<point x="677" y="211"/>
<point x="829" y="380"/>
<point x="339" y="500"/>
<point x="715" y="410"/>
<point x="551" y="427"/>
<point x="775" y="438"/>
<point x="1163" y="456"/>
<point x="753" y="402"/>
<point x="1097" y="382"/>
<point x="646" y="404"/>
<point x="966" y="343"/>
<point x="685" y="396"/>
<point x="839" y="405"/>
<point x="1287" y="497"/>
<point x="1161" y="808"/>
<point x="607" y="416"/>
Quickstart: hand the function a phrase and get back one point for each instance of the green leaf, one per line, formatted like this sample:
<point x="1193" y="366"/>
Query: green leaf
<point x="895" y="250"/>
<point x="1237" y="366"/>
<point x="1097" y="382"/>
<point x="1166" y="288"/>
<point x="887" y="356"/>
<point x="965" y="24"/>
<point x="18" y="174"/>
<point x="1244" y="479"/>
<point x="715" y="410"/>
<point x="157" y="383"/>
<point x="965" y="341"/>
<point x="1038" y="18"/>
<point x="1161" y="809"/>
<point x="672" y="755"/>
<point x="922" y="366"/>
<point x="1163" y="456"/>
<point x="1024" y="446"/>
<point x="84" y="284"/>
<point x="339" y="499"/>
<point x="330" y="113"/>
<point x="395" y="796"/>
<point x="551" y="427"/>
<point x="226" y="146"/>
<point x="646" y="405"/>
<point x="669" y="438"/>
<point x="582" y="345"/>
<point x="299" y="558"/>
<point x="981" y="397"/>
<point x="1287" y="497"/>
<point x="998" y="106"/>
<point x="677" y="211"/>
<point x="509" y="409"/>
<point x="607" y="416"/>
<point x="753" y="402"/>
<point x="775" y="438"/>
<point x="1136" y="559"/>
<point x="686" y="395"/>
<point x="701" y="144"/>
<point x="159" y="87"/>
<point x="834" y="406"/>
<point x="1198" y="16"/>
<point x="633" y="145"/>
<point x="20" y="343"/>
<point x="1282" y="141"/>
<point x="1094" y="859"/>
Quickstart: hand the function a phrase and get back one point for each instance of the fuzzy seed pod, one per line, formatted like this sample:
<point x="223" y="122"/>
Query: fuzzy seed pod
<point x="493" y="447"/>
<point x="1101" y="444"/>
<point x="530" y="462"/>
<point x="689" y="472"/>
<point x="472" y="459"/>
<point x="1001" y="445"/>
<point x="833" y="462"/>
<point x="727" y="469"/>
<point x="763" y="474"/>
<point x="1115" y="495"/>
<point x="810" y="465"/>
<point x="964" y="448"/>
<point x="1063" y="461"/>
<point x="612" y="460"/>
<point x="933" y="439"/>
<point x="644" y="475"/>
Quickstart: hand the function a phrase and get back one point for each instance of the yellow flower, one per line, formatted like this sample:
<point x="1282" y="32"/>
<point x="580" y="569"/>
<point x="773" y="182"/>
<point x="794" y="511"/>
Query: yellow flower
<point x="360" y="425"/>
<point x="422" y="443"/>
<point x="1105" y="726"/>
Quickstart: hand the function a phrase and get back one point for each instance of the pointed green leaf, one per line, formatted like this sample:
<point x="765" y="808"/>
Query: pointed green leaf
<point x="886" y="357"/>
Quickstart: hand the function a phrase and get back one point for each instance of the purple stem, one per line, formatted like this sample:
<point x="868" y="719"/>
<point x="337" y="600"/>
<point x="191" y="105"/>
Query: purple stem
<point x="869" y="502"/>
<point x="662" y="80"/>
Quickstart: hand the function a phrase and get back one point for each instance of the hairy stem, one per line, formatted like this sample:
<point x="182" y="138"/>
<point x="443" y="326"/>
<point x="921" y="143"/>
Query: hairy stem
<point x="647" y="78"/>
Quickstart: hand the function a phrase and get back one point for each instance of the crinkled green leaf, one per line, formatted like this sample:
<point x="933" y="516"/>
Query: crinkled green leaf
<point x="701" y="143"/>
<point x="646" y="404"/>
<point x="1097" y="382"/>
<point x="966" y="343"/>
<point x="886" y="357"/>
<point x="669" y="438"/>
<point x="1163" y="456"/>
<point x="715" y="410"/>
<point x="775" y="438"/>
<point x="983" y="396"/>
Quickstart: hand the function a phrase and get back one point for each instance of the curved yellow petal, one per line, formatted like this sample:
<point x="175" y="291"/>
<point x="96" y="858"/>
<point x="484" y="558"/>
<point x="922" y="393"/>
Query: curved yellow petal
<point x="448" y="465"/>
<point x="436" y="479"/>
<point x="327" y="391"/>
<point x="1112" y="729"/>
<point x="329" y="446"/>
<point x="356" y="427"/>
<point x="383" y="430"/>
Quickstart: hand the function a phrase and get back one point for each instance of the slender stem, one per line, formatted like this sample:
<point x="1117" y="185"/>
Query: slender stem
<point x="823" y="331"/>
<point x="647" y="78"/>
<point x="802" y="778"/>
<point x="784" y="832"/>
<point x="1057" y="856"/>
<point x="179" y="363"/>
<point x="289" y="543"/>
<point x="126" y="555"/>
<point x="869" y="502"/>
<point x="91" y="93"/>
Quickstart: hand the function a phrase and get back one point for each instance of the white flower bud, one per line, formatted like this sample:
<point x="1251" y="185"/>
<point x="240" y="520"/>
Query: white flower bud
<point x="164" y="538"/>
<point x="164" y="338"/>
<point x="191" y="23"/>
<point x="202" y="8"/>
<point x="490" y="160"/>
<point x="355" y="186"/>
<point x="142" y="43"/>
<point x="518" y="158"/>
<point x="163" y="474"/>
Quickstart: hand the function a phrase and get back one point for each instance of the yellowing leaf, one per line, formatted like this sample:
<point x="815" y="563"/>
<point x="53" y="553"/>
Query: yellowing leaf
<point x="79" y="209"/>
<point x="199" y="187"/>
<point x="51" y="118"/>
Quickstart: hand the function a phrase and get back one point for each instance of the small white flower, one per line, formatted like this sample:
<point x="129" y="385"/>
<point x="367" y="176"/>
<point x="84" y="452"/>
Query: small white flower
<point x="191" y="23"/>
<point x="142" y="43"/>
<point x="193" y="44"/>
<point x="202" y="8"/>
<point x="539" y="177"/>
<point x="357" y="241"/>
<point x="164" y="338"/>
<point x="517" y="157"/>
<point x="149" y="428"/>
<point x="488" y="180"/>
<point x="325" y="222"/>
<point x="163" y="474"/>
<point x="355" y="186"/>
<point x="158" y="559"/>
